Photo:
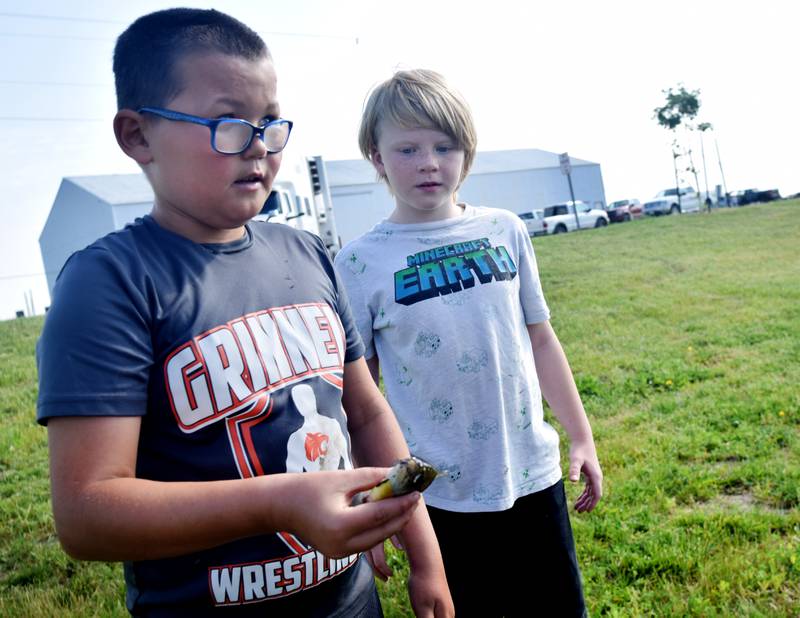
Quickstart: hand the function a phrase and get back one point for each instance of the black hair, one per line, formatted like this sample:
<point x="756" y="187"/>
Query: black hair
<point x="147" y="53"/>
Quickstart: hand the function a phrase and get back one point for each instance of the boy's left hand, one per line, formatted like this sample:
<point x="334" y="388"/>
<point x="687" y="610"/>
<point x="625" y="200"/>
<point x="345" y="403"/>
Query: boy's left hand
<point x="583" y="459"/>
<point x="428" y="593"/>
<point x="376" y="557"/>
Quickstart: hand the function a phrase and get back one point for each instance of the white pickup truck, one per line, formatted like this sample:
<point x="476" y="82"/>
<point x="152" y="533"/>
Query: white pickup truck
<point x="561" y="217"/>
<point x="666" y="202"/>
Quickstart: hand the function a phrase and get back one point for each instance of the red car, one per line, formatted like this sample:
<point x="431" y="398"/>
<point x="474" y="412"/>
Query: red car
<point x="624" y="210"/>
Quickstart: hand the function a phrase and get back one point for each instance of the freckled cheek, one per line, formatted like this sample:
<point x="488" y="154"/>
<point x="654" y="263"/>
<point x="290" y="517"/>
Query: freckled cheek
<point x="404" y="168"/>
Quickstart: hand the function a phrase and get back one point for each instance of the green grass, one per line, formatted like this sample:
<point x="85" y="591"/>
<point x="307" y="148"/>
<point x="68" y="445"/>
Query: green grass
<point x="684" y="336"/>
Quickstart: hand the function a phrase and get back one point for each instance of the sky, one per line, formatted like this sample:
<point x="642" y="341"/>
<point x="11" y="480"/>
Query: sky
<point x="581" y="77"/>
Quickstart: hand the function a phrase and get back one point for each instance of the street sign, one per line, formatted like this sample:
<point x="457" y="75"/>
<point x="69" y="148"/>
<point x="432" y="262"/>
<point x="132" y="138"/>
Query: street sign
<point x="566" y="166"/>
<point x="566" y="169"/>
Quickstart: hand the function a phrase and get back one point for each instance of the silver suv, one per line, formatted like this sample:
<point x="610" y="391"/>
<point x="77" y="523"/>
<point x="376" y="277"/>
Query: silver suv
<point x="666" y="202"/>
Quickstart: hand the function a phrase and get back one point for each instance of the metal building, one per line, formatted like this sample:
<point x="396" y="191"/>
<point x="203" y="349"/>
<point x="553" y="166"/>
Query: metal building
<point x="517" y="180"/>
<point x="86" y="208"/>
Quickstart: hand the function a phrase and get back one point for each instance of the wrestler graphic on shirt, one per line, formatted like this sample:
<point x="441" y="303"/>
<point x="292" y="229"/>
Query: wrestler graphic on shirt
<point x="319" y="443"/>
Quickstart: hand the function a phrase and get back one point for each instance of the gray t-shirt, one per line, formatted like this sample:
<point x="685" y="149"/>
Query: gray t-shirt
<point x="445" y="305"/>
<point x="233" y="356"/>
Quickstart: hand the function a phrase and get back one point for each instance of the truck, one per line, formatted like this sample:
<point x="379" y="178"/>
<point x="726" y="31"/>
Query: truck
<point x="560" y="218"/>
<point x="753" y="196"/>
<point x="667" y="202"/>
<point x="301" y="198"/>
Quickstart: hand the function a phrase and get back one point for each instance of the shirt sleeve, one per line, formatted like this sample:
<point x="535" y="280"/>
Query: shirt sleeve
<point x="347" y="267"/>
<point x="95" y="352"/>
<point x="355" y="345"/>
<point x="531" y="296"/>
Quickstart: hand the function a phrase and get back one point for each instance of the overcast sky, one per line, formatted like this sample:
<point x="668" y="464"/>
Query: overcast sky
<point x="577" y="77"/>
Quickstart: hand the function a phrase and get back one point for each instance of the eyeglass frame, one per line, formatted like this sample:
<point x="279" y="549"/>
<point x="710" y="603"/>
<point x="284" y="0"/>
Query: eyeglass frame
<point x="213" y="123"/>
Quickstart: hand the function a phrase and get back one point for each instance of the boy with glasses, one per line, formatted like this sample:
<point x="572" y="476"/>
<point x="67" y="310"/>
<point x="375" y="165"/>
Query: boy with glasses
<point x="448" y="302"/>
<point x="181" y="354"/>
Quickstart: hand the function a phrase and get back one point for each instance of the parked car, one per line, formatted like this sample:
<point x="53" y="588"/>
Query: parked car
<point x="752" y="196"/>
<point x="561" y="217"/>
<point x="624" y="210"/>
<point x="535" y="222"/>
<point x="666" y="202"/>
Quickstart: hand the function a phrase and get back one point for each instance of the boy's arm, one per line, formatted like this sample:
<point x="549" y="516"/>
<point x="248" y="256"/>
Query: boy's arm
<point x="558" y="388"/>
<point x="377" y="440"/>
<point x="103" y="512"/>
<point x="374" y="366"/>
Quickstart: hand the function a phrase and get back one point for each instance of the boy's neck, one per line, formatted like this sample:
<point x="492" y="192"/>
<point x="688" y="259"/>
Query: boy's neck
<point x="194" y="230"/>
<point x="406" y="215"/>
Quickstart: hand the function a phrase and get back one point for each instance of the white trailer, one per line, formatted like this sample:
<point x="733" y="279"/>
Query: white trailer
<point x="301" y="198"/>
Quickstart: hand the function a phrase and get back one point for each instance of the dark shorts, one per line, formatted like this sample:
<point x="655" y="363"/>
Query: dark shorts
<point x="518" y="562"/>
<point x="372" y="608"/>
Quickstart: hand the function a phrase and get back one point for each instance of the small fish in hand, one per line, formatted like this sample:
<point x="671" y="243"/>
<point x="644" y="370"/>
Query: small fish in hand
<point x="405" y="476"/>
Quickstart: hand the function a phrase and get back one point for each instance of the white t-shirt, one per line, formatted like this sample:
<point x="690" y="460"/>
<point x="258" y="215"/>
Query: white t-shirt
<point x="444" y="305"/>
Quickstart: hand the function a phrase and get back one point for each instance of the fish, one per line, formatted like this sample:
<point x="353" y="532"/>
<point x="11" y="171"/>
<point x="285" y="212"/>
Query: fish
<point x="405" y="476"/>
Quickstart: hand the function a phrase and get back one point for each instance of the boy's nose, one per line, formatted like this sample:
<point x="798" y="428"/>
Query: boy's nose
<point x="257" y="148"/>
<point x="428" y="161"/>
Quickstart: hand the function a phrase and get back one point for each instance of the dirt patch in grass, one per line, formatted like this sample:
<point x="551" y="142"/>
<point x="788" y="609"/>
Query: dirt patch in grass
<point x="744" y="502"/>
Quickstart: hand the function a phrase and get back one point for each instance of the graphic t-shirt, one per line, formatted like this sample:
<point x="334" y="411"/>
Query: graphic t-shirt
<point x="233" y="355"/>
<point x="444" y="305"/>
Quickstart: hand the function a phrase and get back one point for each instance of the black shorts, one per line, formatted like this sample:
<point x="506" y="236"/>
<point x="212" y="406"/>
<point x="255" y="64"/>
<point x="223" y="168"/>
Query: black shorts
<point x="518" y="562"/>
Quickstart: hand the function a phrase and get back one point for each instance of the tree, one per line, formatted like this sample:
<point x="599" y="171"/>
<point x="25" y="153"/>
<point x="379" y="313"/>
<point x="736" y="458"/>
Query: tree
<point x="680" y="108"/>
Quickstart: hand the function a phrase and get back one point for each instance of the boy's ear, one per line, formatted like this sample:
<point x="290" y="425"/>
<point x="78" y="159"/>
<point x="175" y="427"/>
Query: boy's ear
<point x="377" y="162"/>
<point x="129" y="131"/>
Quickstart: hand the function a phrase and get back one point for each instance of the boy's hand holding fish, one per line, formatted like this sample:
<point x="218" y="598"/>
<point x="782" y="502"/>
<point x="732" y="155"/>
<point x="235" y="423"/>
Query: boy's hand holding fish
<point x="405" y="476"/>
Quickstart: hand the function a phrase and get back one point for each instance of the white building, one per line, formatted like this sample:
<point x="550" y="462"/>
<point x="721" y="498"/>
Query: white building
<point x="517" y="180"/>
<point x="89" y="207"/>
<point x="86" y="208"/>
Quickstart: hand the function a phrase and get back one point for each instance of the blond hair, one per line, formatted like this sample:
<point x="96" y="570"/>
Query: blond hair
<point x="419" y="98"/>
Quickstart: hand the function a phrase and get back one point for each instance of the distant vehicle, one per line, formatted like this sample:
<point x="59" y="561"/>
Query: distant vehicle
<point x="624" y="210"/>
<point x="301" y="198"/>
<point x="752" y="196"/>
<point x="561" y="217"/>
<point x="666" y="202"/>
<point x="535" y="222"/>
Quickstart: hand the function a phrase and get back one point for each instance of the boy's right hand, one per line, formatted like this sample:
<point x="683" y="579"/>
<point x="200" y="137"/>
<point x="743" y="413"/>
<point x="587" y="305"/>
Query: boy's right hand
<point x="319" y="511"/>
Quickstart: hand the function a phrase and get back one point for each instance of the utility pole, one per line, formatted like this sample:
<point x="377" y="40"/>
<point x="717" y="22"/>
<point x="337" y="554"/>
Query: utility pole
<point x="724" y="186"/>
<point x="703" y="127"/>
<point x="675" y="156"/>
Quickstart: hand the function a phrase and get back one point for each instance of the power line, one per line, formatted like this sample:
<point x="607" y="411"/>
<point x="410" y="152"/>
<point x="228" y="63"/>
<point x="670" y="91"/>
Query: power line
<point x="12" y="82"/>
<point x="62" y="18"/>
<point x="32" y="35"/>
<point x="41" y="274"/>
<point x="265" y="35"/>
<point x="50" y="119"/>
<point x="125" y="23"/>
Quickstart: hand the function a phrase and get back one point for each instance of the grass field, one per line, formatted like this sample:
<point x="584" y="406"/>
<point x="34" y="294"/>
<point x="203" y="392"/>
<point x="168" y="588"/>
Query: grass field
<point x="684" y="336"/>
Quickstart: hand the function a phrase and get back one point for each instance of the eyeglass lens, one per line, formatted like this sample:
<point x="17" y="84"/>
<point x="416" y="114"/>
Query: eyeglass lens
<point x="233" y="137"/>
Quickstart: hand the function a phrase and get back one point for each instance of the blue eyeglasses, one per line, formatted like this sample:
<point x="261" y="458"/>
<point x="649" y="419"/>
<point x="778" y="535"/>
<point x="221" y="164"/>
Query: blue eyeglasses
<point x="233" y="135"/>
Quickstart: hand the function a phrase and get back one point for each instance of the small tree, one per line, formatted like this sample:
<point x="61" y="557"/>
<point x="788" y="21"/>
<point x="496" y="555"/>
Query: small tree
<point x="680" y="108"/>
